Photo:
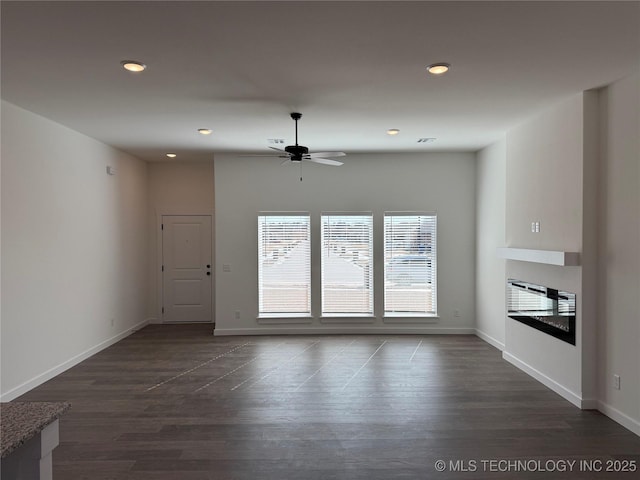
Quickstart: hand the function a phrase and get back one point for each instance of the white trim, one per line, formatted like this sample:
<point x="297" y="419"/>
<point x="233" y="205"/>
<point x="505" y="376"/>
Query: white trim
<point x="278" y="213"/>
<point x="490" y="340"/>
<point x="181" y="322"/>
<point x="158" y="267"/>
<point x="302" y="265"/>
<point x="399" y="319"/>
<point x="366" y="213"/>
<point x="284" y="320"/>
<point x="589" y="404"/>
<point x="549" y="257"/>
<point x="153" y="320"/>
<point x="347" y="319"/>
<point x="66" y="365"/>
<point x="616" y="415"/>
<point x="546" y="381"/>
<point x="410" y="213"/>
<point x="350" y="329"/>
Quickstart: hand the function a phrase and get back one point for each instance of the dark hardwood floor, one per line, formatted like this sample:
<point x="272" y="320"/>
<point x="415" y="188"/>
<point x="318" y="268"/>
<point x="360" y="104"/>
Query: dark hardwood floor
<point x="174" y="402"/>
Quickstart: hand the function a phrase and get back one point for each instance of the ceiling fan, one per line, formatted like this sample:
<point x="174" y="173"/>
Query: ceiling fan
<point x="299" y="153"/>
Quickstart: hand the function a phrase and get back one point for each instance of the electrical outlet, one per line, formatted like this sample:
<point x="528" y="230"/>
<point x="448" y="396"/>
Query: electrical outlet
<point x="226" y="267"/>
<point x="237" y="314"/>
<point x="456" y="313"/>
<point x="113" y="322"/>
<point x="616" y="382"/>
<point x="533" y="227"/>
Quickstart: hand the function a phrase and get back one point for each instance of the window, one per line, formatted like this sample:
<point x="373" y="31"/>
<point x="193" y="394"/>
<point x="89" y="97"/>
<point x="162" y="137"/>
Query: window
<point x="409" y="264"/>
<point x="347" y="264"/>
<point x="284" y="265"/>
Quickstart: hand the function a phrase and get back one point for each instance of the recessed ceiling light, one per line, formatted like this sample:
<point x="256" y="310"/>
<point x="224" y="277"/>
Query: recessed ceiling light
<point x="393" y="131"/>
<point x="204" y="131"/>
<point x="438" y="68"/>
<point x="133" y="66"/>
<point x="171" y="155"/>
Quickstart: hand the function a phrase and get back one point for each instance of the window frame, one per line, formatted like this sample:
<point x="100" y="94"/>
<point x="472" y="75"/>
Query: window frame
<point x="369" y="277"/>
<point x="431" y="257"/>
<point x="308" y="265"/>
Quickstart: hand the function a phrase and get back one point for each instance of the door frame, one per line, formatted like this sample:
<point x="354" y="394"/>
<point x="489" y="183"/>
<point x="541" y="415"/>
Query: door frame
<point x="158" y="262"/>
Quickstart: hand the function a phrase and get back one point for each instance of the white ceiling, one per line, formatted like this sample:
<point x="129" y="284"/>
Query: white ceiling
<point x="354" y="69"/>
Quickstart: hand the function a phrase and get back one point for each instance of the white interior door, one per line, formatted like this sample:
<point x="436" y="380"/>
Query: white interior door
<point x="186" y="268"/>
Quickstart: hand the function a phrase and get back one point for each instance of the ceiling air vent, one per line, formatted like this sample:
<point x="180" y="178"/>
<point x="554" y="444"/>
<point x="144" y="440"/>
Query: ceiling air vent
<point x="275" y="141"/>
<point x="426" y="140"/>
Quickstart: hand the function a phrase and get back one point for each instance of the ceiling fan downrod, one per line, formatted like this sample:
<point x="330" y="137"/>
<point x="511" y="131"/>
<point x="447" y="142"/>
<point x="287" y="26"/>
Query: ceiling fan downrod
<point x="296" y="151"/>
<point x="296" y="116"/>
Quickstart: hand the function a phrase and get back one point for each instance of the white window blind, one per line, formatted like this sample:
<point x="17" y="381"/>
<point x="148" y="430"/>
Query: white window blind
<point x="284" y="265"/>
<point x="409" y="264"/>
<point x="347" y="264"/>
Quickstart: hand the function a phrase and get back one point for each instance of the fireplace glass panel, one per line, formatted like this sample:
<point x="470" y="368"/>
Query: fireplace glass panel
<point x="543" y="308"/>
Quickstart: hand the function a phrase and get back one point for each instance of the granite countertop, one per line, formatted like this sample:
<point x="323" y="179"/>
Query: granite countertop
<point x="21" y="421"/>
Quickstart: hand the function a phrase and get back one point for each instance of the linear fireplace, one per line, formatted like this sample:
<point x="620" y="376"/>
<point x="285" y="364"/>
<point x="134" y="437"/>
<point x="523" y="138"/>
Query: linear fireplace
<point x="546" y="309"/>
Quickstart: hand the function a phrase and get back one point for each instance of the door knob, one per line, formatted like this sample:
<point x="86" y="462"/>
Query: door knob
<point x="208" y="266"/>
<point x="208" y="273"/>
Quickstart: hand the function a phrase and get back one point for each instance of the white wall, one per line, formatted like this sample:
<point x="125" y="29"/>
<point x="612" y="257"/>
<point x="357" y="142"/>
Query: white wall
<point x="619" y="242"/>
<point x="175" y="188"/>
<point x="72" y="240"/>
<point x="490" y="234"/>
<point x="444" y="183"/>
<point x="550" y="169"/>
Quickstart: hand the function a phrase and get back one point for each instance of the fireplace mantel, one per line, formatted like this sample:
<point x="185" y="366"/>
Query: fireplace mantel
<point x="549" y="257"/>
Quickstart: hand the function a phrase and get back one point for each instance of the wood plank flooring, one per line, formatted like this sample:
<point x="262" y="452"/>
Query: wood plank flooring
<point x="174" y="402"/>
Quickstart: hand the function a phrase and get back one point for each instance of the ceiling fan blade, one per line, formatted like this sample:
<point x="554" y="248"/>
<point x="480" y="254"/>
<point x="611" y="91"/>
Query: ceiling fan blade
<point x="325" y="154"/>
<point x="285" y="162"/>
<point x="324" y="161"/>
<point x="279" y="150"/>
<point x="268" y="156"/>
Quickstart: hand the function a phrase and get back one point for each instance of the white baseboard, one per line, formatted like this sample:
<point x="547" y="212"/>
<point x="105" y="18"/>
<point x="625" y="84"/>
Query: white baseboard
<point x="349" y="330"/>
<point x="546" y="381"/>
<point x="490" y="340"/>
<point x="153" y="320"/>
<point x="616" y="415"/>
<point x="66" y="365"/>
<point x="284" y="321"/>
<point x="589" y="404"/>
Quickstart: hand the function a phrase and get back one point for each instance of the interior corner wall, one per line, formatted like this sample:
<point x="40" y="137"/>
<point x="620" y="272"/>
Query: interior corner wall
<point x="490" y="235"/>
<point x="545" y="173"/>
<point x="440" y="182"/>
<point x="72" y="242"/>
<point x="174" y="188"/>
<point x="618" y="325"/>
